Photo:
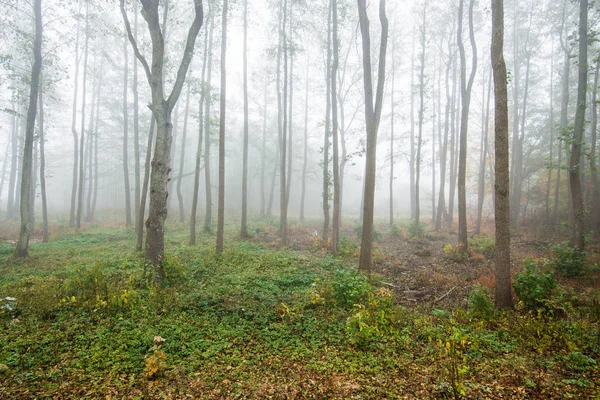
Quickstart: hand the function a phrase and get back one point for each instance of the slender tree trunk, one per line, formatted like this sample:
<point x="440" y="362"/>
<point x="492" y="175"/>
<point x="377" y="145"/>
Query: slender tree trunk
<point x="273" y="176"/>
<point x="564" y="106"/>
<point x="4" y="167"/>
<point x="203" y="90"/>
<point x="136" y="130"/>
<point x="392" y="133"/>
<point x="90" y="147"/>
<point x="26" y="223"/>
<point x="421" y="115"/>
<point x="372" y="118"/>
<point x="145" y="185"/>
<point x="94" y="195"/>
<point x="10" y="205"/>
<point x="593" y="163"/>
<point x="80" y="185"/>
<point x="433" y="111"/>
<point x="182" y="159"/>
<point x="263" y="156"/>
<point x="412" y="156"/>
<point x="551" y="142"/>
<point x="223" y="103"/>
<point x="126" y="137"/>
<point x="453" y="143"/>
<point x="483" y="154"/>
<point x="503" y="295"/>
<point x="335" y="234"/>
<point x="207" y="177"/>
<point x="43" y="170"/>
<point x="74" y="132"/>
<point x="290" y="113"/>
<point x="574" y="170"/>
<point x="444" y="153"/>
<point x="283" y="142"/>
<point x="244" y="227"/>
<point x="325" y="237"/>
<point x="466" y="100"/>
<point x="305" y="155"/>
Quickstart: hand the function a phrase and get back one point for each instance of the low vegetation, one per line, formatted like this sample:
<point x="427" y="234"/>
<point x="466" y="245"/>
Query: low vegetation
<point x="81" y="318"/>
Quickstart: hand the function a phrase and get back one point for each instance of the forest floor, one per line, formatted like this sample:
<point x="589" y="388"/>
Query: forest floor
<point x="84" y="320"/>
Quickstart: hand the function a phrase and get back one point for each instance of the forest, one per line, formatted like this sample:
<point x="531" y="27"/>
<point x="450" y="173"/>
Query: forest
<point x="299" y="199"/>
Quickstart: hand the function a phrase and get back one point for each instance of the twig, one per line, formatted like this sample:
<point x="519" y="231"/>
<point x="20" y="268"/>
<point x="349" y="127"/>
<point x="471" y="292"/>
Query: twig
<point x="445" y="295"/>
<point x="389" y="284"/>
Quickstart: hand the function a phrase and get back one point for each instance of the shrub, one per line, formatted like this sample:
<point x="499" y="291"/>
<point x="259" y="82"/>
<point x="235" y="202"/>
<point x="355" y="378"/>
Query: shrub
<point x="485" y="245"/>
<point x="569" y="260"/>
<point x="480" y="302"/>
<point x="579" y="362"/>
<point x="358" y="231"/>
<point x="349" y="288"/>
<point x="415" y="232"/>
<point x="374" y="320"/>
<point x="395" y="230"/>
<point x="346" y="247"/>
<point x="534" y="285"/>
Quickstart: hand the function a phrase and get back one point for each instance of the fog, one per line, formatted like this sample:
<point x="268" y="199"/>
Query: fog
<point x="535" y="32"/>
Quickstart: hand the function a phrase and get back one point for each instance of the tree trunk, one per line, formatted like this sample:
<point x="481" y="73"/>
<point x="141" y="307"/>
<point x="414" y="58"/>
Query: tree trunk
<point x="503" y="295"/>
<point x="43" y="170"/>
<point x="444" y="153"/>
<point x="136" y="130"/>
<point x="372" y="118"/>
<point x="420" y="132"/>
<point x="223" y="103"/>
<point x="483" y="154"/>
<point x="145" y="184"/>
<point x="182" y="159"/>
<point x="325" y="237"/>
<point x="244" y="227"/>
<point x="453" y="142"/>
<point x="551" y="142"/>
<point x="335" y="234"/>
<point x="412" y="158"/>
<point x="203" y="90"/>
<point x="392" y="133"/>
<point x="593" y="164"/>
<point x="161" y="109"/>
<point x="75" y="133"/>
<point x="466" y="101"/>
<point x="26" y="224"/>
<point x="290" y="114"/>
<point x="126" y="138"/>
<point x="574" y="170"/>
<point x="305" y="154"/>
<point x="207" y="178"/>
<point x="263" y="155"/>
<point x="283" y="140"/>
<point x="80" y="185"/>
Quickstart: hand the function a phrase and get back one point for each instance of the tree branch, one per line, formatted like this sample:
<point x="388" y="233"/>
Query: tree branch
<point x="188" y="53"/>
<point x="134" y="43"/>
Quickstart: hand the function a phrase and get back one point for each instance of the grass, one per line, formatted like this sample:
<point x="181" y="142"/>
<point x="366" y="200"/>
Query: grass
<point x="247" y="325"/>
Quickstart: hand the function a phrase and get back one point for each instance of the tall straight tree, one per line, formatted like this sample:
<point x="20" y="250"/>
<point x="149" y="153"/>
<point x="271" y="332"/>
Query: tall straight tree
<point x="222" y="106"/>
<point x="335" y="234"/>
<point x="126" y="136"/>
<point x="326" y="134"/>
<point x="26" y="218"/>
<point x="305" y="147"/>
<point x="593" y="159"/>
<point x="417" y="212"/>
<point x="182" y="158"/>
<point x="503" y="296"/>
<point x="145" y="184"/>
<point x="283" y="203"/>
<point x="43" y="168"/>
<point x="244" y="227"/>
<point x="466" y="88"/>
<point x="208" y="102"/>
<point x="201" y="129"/>
<point x="82" y="127"/>
<point x="136" y="129"/>
<point x="162" y="109"/>
<point x="574" y="166"/>
<point x="74" y="130"/>
<point x="372" y="118"/>
<point x="485" y="115"/>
